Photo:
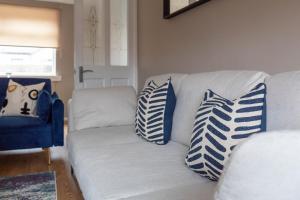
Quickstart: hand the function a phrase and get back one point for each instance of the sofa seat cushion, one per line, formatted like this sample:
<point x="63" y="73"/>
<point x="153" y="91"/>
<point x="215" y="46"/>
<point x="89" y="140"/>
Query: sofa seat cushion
<point x="118" y="166"/>
<point x="93" y="139"/>
<point x="199" y="191"/>
<point x="13" y="122"/>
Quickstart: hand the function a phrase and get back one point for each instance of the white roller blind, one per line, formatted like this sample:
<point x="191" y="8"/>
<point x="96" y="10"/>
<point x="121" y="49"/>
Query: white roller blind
<point x="29" y="26"/>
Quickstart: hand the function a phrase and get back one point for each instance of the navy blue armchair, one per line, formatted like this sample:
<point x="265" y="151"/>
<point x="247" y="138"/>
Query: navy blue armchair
<point x="44" y="131"/>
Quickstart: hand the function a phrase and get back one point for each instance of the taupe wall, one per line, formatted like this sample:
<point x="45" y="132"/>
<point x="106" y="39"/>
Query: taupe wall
<point x="65" y="57"/>
<point x="65" y="61"/>
<point x="222" y="34"/>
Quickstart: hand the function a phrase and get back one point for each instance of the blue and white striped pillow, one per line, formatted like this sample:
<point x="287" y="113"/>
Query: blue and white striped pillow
<point x="220" y="125"/>
<point x="154" y="114"/>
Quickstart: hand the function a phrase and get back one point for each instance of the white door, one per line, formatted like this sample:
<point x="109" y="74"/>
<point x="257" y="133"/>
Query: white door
<point x="105" y="43"/>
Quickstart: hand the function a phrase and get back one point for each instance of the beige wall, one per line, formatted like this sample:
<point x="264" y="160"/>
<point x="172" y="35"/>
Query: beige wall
<point x="222" y="34"/>
<point x="65" y="57"/>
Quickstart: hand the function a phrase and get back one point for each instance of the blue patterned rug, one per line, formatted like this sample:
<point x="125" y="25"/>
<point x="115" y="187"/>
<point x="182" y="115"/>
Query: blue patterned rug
<point x="29" y="187"/>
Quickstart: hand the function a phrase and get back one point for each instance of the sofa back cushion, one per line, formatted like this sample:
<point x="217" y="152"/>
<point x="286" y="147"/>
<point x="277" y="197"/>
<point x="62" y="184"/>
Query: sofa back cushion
<point x="229" y="84"/>
<point x="161" y="79"/>
<point x="103" y="107"/>
<point x="283" y="101"/>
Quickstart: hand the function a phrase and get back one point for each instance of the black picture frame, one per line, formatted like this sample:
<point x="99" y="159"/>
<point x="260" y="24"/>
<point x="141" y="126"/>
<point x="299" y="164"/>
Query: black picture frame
<point x="166" y="8"/>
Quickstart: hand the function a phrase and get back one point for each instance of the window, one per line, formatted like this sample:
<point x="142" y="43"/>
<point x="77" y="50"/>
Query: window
<point x="27" y="61"/>
<point x="29" y="38"/>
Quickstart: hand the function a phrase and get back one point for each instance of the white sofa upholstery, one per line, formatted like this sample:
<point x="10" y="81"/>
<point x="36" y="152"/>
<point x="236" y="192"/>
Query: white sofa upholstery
<point x="94" y="107"/>
<point x="283" y="98"/>
<point x="229" y="84"/>
<point x="113" y="163"/>
<point x="265" y="167"/>
<point x="133" y="169"/>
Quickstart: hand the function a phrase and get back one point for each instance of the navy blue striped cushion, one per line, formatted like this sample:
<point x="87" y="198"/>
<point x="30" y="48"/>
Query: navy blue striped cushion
<point x="220" y="125"/>
<point x="154" y="114"/>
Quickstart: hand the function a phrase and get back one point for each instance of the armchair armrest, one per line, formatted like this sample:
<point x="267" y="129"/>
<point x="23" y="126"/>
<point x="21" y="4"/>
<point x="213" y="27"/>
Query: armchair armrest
<point x="57" y="121"/>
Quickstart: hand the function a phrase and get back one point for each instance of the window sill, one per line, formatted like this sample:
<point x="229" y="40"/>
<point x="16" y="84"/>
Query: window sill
<point x="56" y="78"/>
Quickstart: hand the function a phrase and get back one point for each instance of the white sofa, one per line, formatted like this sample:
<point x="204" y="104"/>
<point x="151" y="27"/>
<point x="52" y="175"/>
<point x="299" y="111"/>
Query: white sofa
<point x="113" y="163"/>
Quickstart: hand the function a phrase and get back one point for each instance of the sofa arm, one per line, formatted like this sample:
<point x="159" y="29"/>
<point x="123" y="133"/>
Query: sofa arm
<point x="103" y="107"/>
<point x="70" y="117"/>
<point x="265" y="167"/>
<point x="57" y="121"/>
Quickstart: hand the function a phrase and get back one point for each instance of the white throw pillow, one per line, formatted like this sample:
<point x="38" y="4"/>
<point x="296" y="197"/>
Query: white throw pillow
<point x="21" y="100"/>
<point x="103" y="107"/>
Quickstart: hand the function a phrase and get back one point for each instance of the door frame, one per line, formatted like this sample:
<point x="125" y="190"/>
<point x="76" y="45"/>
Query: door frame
<point x="132" y="40"/>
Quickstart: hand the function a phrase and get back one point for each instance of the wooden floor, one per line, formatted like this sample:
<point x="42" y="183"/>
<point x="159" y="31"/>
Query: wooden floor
<point x="14" y="163"/>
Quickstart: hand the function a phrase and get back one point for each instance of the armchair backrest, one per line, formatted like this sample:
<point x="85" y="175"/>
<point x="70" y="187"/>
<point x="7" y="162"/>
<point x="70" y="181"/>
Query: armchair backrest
<point x="22" y="81"/>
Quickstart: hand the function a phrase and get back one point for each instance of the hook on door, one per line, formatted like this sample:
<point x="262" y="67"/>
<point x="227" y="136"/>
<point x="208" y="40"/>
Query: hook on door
<point x="81" y="72"/>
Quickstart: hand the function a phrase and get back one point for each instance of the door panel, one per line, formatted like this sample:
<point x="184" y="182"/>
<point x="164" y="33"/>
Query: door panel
<point x="94" y="32"/>
<point x="106" y="42"/>
<point x="118" y="33"/>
